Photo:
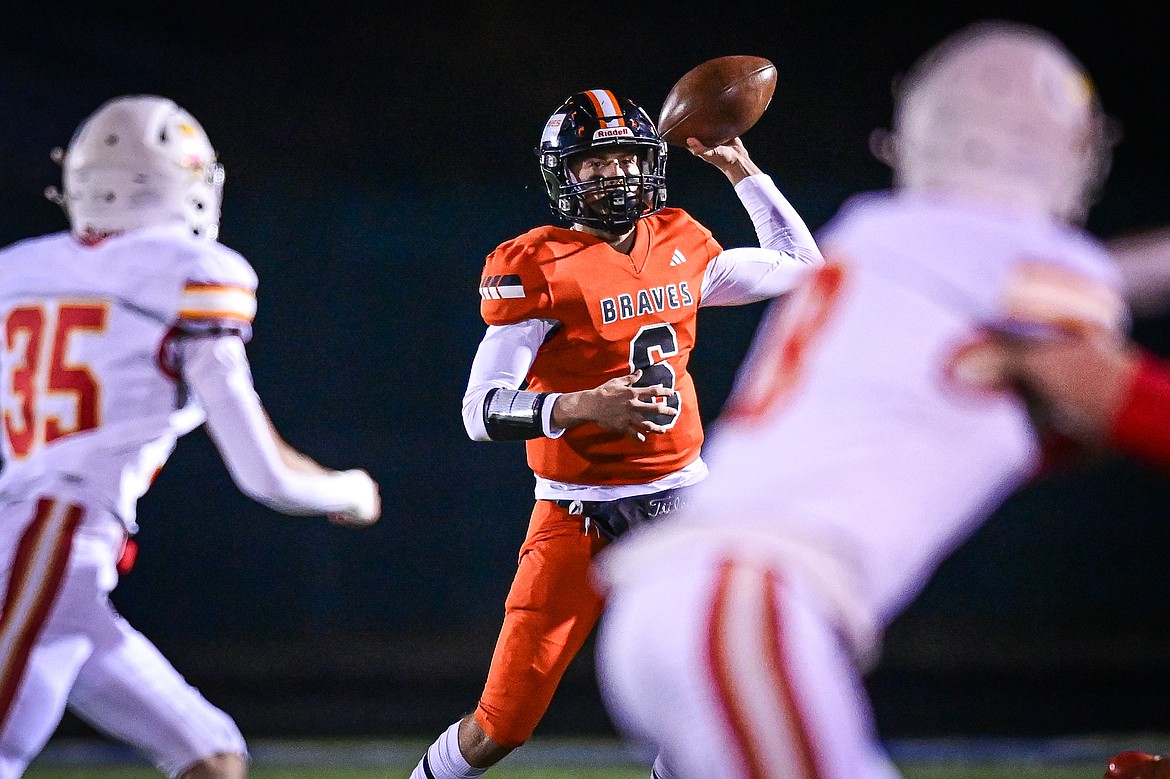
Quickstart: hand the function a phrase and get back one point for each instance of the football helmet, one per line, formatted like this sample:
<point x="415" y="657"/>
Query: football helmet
<point x="1002" y="111"/>
<point x="139" y="161"/>
<point x="597" y="121"/>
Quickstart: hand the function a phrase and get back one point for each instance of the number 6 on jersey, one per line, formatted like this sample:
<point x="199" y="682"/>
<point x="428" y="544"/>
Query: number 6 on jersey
<point x="648" y="353"/>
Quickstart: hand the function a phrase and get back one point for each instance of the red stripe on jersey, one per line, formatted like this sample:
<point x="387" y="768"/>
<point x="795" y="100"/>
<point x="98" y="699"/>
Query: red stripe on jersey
<point x="754" y="738"/>
<point x="203" y="286"/>
<point x="235" y="316"/>
<point x="1142" y="425"/>
<point x="38" y="570"/>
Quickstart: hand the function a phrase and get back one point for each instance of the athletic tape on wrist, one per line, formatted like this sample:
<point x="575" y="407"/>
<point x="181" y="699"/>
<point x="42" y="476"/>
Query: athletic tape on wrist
<point x="513" y="415"/>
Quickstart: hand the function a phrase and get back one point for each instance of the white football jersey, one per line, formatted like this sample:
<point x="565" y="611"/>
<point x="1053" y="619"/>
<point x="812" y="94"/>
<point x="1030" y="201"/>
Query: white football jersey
<point x="847" y="434"/>
<point x="88" y="385"/>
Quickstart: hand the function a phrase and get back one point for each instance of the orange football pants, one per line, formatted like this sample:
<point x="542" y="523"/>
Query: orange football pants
<point x="549" y="612"/>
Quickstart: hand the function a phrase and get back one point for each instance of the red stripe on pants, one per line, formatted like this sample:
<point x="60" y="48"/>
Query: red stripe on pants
<point x="39" y="567"/>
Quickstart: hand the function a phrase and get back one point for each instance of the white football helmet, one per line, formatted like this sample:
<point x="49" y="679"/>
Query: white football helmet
<point x="139" y="161"/>
<point x="1003" y="112"/>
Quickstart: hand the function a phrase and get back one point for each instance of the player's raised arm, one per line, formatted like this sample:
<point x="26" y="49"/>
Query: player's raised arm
<point x="787" y="248"/>
<point x="1097" y="390"/>
<point x="706" y="112"/>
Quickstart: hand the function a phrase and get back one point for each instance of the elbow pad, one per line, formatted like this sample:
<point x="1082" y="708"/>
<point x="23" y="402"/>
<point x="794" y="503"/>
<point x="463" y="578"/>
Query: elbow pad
<point x="514" y="415"/>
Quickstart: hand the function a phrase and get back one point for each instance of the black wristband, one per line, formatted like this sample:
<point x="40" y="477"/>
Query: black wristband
<point x="514" y="415"/>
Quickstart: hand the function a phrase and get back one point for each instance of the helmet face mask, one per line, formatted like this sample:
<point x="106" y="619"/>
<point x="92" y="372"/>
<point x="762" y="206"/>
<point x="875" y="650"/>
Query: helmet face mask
<point x="1003" y="112"/>
<point x="141" y="161"/>
<point x="597" y="123"/>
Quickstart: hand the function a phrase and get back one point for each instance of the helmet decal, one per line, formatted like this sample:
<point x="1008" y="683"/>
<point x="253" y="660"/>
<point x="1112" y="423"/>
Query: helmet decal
<point x="552" y="128"/>
<point x="605" y="103"/>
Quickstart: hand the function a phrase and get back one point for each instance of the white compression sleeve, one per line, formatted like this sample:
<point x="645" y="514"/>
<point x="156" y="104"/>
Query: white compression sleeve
<point x="750" y="274"/>
<point x="787" y="251"/>
<point x="502" y="361"/>
<point x="778" y="225"/>
<point x="216" y="369"/>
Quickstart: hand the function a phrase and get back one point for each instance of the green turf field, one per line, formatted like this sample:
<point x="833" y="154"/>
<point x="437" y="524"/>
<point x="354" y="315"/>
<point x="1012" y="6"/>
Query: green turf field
<point x="1072" y="758"/>
<point x="939" y="771"/>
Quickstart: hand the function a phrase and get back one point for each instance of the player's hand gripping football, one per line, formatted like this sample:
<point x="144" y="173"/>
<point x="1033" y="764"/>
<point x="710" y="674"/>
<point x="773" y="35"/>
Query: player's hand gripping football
<point x="617" y="405"/>
<point x="732" y="158"/>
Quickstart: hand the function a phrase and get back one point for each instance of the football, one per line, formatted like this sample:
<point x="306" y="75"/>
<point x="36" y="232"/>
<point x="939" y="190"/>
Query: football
<point x="718" y="100"/>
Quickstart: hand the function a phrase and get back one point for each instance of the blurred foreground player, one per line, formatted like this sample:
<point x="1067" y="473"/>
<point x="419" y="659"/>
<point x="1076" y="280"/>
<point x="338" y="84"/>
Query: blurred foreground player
<point x="1102" y="392"/>
<point x="120" y="336"/>
<point x="852" y="458"/>
<point x="590" y="331"/>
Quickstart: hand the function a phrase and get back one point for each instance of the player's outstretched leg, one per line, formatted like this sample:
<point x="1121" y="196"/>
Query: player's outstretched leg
<point x="1137" y="765"/>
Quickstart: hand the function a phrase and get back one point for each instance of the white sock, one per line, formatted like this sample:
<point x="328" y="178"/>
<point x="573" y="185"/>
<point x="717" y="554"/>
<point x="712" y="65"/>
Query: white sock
<point x="443" y="760"/>
<point x="659" y="771"/>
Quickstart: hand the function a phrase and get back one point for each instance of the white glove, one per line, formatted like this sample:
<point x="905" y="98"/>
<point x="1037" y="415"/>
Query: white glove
<point x="366" y="505"/>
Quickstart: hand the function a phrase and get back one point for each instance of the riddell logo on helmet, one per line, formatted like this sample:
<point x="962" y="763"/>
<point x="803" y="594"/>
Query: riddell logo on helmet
<point x="612" y="132"/>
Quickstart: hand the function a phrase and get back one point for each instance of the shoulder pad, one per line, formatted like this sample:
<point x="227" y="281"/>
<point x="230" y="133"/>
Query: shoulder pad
<point x="515" y="281"/>
<point x="219" y="290"/>
<point x="676" y="219"/>
<point x="20" y="248"/>
<point x="543" y="244"/>
<point x="215" y="263"/>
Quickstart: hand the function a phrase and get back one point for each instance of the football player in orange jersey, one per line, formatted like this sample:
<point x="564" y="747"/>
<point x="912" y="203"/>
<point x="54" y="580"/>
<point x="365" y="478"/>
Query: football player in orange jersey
<point x="589" y="332"/>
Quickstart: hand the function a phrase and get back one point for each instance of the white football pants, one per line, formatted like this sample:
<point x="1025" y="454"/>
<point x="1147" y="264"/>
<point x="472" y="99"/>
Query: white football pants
<point x="726" y="667"/>
<point x="62" y="644"/>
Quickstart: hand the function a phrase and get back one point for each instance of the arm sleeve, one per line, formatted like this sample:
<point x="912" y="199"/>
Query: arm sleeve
<point x="788" y="250"/>
<point x="1142" y="427"/>
<point x="750" y="274"/>
<point x="502" y="361"/>
<point x="777" y="223"/>
<point x="216" y="368"/>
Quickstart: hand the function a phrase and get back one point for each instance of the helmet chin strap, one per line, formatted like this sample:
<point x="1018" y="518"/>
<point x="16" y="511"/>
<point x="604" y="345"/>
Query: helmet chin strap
<point x="604" y="229"/>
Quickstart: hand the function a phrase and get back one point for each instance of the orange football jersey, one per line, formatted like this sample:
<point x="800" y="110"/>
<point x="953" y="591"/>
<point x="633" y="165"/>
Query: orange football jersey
<point x="618" y="313"/>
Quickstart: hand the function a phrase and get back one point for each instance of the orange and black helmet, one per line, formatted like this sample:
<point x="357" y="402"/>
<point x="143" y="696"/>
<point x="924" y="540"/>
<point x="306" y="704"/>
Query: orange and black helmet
<point x="596" y="121"/>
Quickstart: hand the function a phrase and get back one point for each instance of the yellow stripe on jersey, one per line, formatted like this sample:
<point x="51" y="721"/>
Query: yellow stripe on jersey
<point x="217" y="301"/>
<point x="1052" y="295"/>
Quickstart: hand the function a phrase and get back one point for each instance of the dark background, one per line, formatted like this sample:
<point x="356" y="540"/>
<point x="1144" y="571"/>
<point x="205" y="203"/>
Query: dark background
<point x="375" y="152"/>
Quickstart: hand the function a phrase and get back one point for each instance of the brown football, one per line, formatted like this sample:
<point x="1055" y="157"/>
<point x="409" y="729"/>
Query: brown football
<point x="718" y="100"/>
